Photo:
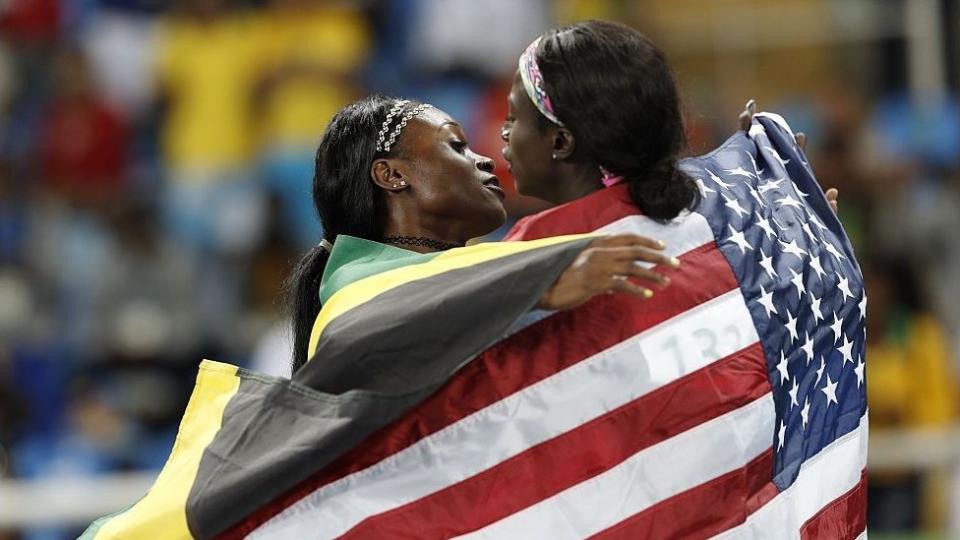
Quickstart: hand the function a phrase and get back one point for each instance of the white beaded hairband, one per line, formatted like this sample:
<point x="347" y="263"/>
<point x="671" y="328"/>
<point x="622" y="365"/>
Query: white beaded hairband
<point x="384" y="144"/>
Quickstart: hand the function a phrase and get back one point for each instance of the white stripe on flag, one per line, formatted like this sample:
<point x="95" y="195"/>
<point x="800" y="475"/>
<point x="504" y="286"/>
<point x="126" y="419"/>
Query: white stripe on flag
<point x="535" y="414"/>
<point x="652" y="475"/>
<point x="687" y="231"/>
<point x="823" y="478"/>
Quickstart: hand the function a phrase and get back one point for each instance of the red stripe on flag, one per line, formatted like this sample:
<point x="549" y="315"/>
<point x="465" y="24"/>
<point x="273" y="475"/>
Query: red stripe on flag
<point x="544" y="470"/>
<point x="533" y="354"/>
<point x="600" y="208"/>
<point x="704" y="511"/>
<point x="845" y="517"/>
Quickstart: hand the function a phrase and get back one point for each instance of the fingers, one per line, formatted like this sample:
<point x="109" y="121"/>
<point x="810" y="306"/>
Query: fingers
<point x="629" y="269"/>
<point x="639" y="254"/>
<point x="832" y="195"/>
<point x="625" y="286"/>
<point x="801" y="139"/>
<point x="746" y="117"/>
<point x="634" y="247"/>
<point x="606" y="264"/>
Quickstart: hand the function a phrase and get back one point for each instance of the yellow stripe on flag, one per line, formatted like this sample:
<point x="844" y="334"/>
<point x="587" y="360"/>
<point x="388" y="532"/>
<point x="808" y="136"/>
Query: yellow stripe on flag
<point x="162" y="511"/>
<point x="366" y="289"/>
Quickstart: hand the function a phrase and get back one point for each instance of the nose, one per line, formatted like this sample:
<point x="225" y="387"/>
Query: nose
<point x="485" y="164"/>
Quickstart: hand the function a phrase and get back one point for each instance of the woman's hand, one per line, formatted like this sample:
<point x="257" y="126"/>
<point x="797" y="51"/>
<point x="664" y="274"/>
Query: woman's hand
<point x="606" y="266"/>
<point x="746" y="118"/>
<point x="832" y="195"/>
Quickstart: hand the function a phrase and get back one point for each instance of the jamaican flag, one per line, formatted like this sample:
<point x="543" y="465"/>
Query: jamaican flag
<point x="395" y="326"/>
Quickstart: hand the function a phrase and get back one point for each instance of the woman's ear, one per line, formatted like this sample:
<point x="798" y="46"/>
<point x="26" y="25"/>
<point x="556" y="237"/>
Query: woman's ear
<point x="387" y="177"/>
<point x="563" y="144"/>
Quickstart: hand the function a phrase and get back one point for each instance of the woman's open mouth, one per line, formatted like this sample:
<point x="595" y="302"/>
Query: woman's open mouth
<point x="493" y="184"/>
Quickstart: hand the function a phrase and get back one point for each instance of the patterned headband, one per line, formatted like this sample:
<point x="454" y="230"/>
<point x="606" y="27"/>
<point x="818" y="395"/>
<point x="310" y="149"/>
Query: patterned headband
<point x="533" y="82"/>
<point x="383" y="143"/>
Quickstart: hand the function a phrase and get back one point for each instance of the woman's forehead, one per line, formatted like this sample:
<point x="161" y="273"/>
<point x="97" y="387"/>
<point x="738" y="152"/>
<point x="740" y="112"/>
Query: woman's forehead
<point x="516" y="89"/>
<point x="430" y="125"/>
<point x="432" y="116"/>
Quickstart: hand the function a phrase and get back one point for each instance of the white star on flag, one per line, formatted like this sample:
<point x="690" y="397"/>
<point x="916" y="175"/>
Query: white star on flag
<point x="815" y="264"/>
<point x="771" y="184"/>
<point x="830" y="390"/>
<point x="704" y="188"/>
<point x="718" y="180"/>
<point x="805" y="413"/>
<point x="788" y="201"/>
<point x="859" y="371"/>
<point x="809" y="231"/>
<point x="792" y="248"/>
<point x="815" y="307"/>
<point x="846" y="350"/>
<point x="823" y="366"/>
<point x="836" y="327"/>
<point x="807" y="348"/>
<point x="844" y="287"/>
<point x="740" y="171"/>
<point x="766" y="262"/>
<point x="791" y="325"/>
<point x="862" y="306"/>
<point x="793" y="394"/>
<point x="756" y="196"/>
<point x="734" y="204"/>
<point x="833" y="251"/>
<point x="766" y="300"/>
<point x="739" y="239"/>
<point x="782" y="368"/>
<point x="797" y="281"/>
<point x="781" y="434"/>
<point x="764" y="224"/>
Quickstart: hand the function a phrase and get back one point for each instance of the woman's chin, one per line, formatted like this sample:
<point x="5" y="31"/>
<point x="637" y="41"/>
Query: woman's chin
<point x="522" y="185"/>
<point x="492" y="221"/>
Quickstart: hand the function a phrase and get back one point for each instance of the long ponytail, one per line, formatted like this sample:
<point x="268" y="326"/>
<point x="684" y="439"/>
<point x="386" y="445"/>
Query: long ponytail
<point x="302" y="289"/>
<point x="663" y="191"/>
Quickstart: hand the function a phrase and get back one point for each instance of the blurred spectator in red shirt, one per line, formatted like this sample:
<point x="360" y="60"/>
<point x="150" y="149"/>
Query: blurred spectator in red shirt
<point x="82" y="141"/>
<point x="30" y="20"/>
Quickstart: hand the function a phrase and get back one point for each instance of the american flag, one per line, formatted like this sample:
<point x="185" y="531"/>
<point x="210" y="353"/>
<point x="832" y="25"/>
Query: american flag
<point x="731" y="405"/>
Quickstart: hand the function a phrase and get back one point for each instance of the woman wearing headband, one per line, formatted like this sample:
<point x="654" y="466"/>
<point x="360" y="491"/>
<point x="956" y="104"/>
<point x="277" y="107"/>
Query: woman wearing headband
<point x="594" y="104"/>
<point x="400" y="173"/>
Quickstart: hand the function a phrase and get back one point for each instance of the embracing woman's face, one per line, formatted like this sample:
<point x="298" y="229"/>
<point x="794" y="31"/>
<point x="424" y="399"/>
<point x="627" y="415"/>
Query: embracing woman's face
<point x="528" y="149"/>
<point x="452" y="183"/>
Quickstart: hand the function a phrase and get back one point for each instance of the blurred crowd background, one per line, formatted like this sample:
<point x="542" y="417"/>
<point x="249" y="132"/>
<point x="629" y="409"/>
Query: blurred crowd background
<point x="156" y="160"/>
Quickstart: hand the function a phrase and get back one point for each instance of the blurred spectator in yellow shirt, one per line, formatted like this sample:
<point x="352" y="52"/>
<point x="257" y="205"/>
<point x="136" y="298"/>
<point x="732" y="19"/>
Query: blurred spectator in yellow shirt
<point x="310" y="53"/>
<point x="212" y="201"/>
<point x="206" y="70"/>
<point x="911" y="383"/>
